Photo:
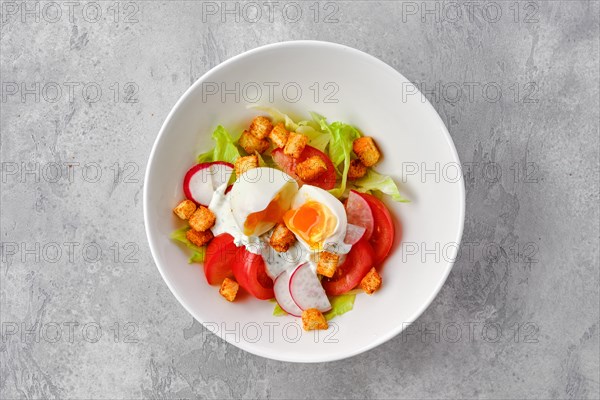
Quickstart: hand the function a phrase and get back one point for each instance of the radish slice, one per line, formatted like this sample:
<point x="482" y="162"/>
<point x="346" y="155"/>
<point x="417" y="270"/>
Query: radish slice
<point x="197" y="184"/>
<point x="354" y="233"/>
<point x="201" y="180"/>
<point x="220" y="172"/>
<point x="281" y="287"/>
<point x="359" y="213"/>
<point x="306" y="289"/>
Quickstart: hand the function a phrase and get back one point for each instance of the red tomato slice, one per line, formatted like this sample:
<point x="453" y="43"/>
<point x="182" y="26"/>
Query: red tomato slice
<point x="348" y="275"/>
<point x="249" y="271"/>
<point x="288" y="165"/>
<point x="383" y="232"/>
<point x="219" y="256"/>
<point x="359" y="213"/>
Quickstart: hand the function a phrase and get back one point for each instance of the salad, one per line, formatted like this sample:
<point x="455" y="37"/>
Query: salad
<point x="290" y="212"/>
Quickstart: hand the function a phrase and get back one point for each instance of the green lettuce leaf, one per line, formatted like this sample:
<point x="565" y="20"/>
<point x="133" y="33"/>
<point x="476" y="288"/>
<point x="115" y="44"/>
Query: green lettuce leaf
<point x="373" y="181"/>
<point x="277" y="116"/>
<point x="224" y="150"/>
<point x="340" y="148"/>
<point x="278" y="311"/>
<point x="205" y="157"/>
<point x="313" y="123"/>
<point x="316" y="138"/>
<point x="339" y="305"/>
<point x="342" y="136"/>
<point x="317" y="118"/>
<point x="197" y="252"/>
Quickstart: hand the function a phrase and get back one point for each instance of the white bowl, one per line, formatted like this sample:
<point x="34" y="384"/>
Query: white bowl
<point x="353" y="87"/>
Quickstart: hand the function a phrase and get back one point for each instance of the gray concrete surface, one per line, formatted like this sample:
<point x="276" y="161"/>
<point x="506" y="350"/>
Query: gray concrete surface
<point x="518" y="316"/>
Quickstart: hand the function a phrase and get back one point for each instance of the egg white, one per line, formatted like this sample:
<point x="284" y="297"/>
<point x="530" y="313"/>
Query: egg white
<point x="255" y="189"/>
<point x="335" y="241"/>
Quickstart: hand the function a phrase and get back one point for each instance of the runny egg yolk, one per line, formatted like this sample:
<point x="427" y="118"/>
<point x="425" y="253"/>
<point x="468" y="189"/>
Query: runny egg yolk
<point x="313" y="222"/>
<point x="272" y="214"/>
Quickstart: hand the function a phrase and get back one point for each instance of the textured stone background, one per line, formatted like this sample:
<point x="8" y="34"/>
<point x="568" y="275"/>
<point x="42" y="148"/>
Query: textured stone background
<point x="524" y="299"/>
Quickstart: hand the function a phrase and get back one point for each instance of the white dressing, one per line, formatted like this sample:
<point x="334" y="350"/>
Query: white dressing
<point x="276" y="263"/>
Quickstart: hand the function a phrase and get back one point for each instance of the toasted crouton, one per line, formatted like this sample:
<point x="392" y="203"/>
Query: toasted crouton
<point x="311" y="168"/>
<point x="282" y="238"/>
<point x="202" y="219"/>
<point x="295" y="144"/>
<point x="357" y="169"/>
<point x="229" y="289"/>
<point x="252" y="144"/>
<point x="327" y="264"/>
<point x="199" y="238"/>
<point x="243" y="164"/>
<point x="371" y="282"/>
<point x="185" y="209"/>
<point x="260" y="127"/>
<point x="313" y="319"/>
<point x="366" y="150"/>
<point x="279" y="135"/>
